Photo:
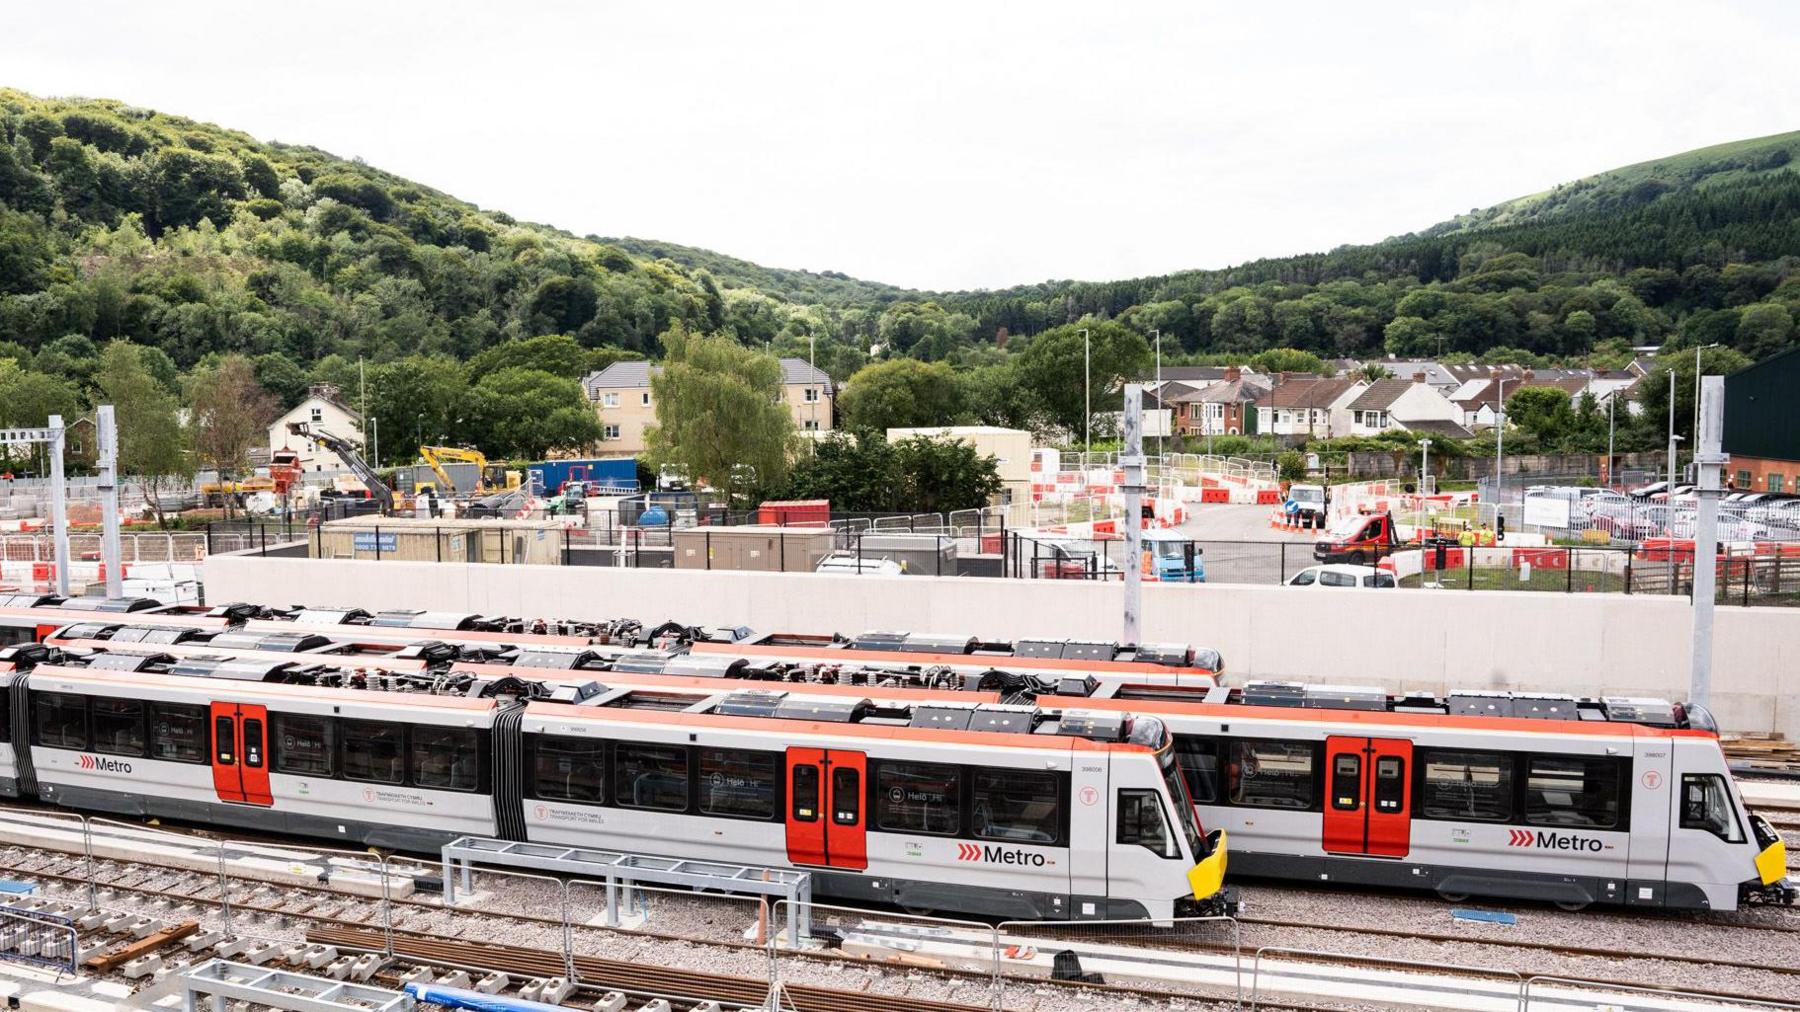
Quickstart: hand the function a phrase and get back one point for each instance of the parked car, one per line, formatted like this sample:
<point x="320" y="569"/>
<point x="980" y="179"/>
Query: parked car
<point x="1338" y="574"/>
<point x="1644" y="492"/>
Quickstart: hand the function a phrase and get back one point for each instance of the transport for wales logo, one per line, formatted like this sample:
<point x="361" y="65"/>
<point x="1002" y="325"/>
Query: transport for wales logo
<point x="1553" y="841"/>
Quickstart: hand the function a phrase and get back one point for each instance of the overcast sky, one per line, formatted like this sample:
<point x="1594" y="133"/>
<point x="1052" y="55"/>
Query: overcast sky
<point x="960" y="145"/>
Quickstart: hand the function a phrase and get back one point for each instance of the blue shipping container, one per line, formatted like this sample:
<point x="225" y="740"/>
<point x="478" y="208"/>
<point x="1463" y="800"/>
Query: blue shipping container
<point x="547" y="477"/>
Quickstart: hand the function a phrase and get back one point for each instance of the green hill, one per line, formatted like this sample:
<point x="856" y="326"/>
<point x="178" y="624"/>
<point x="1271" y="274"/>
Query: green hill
<point x="196" y="241"/>
<point x="1636" y="185"/>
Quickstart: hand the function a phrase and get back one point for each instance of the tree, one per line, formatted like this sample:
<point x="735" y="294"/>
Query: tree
<point x="857" y="474"/>
<point x="900" y="393"/>
<point x="1653" y="391"/>
<point x="229" y="412"/>
<point x="422" y="400"/>
<point x="995" y="395"/>
<point x="280" y="376"/>
<point x="1763" y="329"/>
<point x="556" y="354"/>
<point x="153" y="451"/>
<point x="525" y="413"/>
<point x="1056" y="365"/>
<point x="1545" y="412"/>
<point x="944" y="475"/>
<point x="720" y="412"/>
<point x="1280" y="360"/>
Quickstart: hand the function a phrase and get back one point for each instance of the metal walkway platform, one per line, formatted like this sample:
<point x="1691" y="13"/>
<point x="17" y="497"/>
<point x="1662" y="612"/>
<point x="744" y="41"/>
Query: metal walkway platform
<point x="295" y="992"/>
<point x="620" y="869"/>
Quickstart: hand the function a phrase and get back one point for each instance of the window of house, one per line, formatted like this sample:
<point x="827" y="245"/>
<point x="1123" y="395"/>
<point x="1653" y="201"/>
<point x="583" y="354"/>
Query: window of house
<point x="609" y="432"/>
<point x="645" y="401"/>
<point x="1743" y="479"/>
<point x="1775" y="481"/>
<point x="812" y="394"/>
<point x="609" y="400"/>
<point x="812" y="425"/>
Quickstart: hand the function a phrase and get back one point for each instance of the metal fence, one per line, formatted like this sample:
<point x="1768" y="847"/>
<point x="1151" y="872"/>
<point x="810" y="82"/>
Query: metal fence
<point x="39" y="939"/>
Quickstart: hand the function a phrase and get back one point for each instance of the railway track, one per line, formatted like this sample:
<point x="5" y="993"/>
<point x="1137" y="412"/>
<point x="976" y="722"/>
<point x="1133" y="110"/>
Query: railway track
<point x="325" y="910"/>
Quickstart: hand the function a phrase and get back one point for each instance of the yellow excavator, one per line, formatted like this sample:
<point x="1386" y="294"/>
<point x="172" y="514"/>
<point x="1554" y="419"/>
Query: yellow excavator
<point x="493" y="477"/>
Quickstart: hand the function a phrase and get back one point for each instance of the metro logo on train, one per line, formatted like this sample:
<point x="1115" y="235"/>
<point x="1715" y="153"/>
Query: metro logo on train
<point x="101" y="764"/>
<point x="1553" y="841"/>
<point x="998" y="855"/>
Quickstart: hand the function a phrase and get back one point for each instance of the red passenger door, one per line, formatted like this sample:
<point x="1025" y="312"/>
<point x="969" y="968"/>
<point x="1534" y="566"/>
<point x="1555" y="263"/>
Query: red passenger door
<point x="826" y="823"/>
<point x="240" y="753"/>
<point x="1368" y="796"/>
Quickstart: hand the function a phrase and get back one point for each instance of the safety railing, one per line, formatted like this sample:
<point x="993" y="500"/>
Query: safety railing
<point x="39" y="939"/>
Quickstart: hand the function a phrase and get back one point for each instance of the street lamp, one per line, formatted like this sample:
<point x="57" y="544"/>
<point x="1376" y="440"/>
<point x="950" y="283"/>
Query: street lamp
<point x="1697" y="351"/>
<point x="1159" y="393"/>
<point x="1499" y="438"/>
<point x="1611" y="399"/>
<point x="1087" y="397"/>
<point x="1424" y="463"/>
<point x="812" y="443"/>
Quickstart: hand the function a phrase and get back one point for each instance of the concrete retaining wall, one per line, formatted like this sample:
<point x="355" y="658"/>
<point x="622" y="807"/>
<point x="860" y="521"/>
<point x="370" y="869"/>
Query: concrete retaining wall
<point x="1588" y="644"/>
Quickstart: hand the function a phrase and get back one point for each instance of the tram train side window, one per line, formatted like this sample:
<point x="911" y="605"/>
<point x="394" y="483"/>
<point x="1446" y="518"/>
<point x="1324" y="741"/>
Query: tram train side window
<point x="373" y="751"/>
<point x="1141" y="822"/>
<point x="445" y="758"/>
<point x="739" y="784"/>
<point x="1568" y="790"/>
<point x="1199" y="760"/>
<point x="1017" y="805"/>
<point x="303" y="746"/>
<point x="1706" y="804"/>
<point x="651" y="776"/>
<point x="59" y="720"/>
<point x="118" y="726"/>
<point x="178" y="732"/>
<point x="918" y="798"/>
<point x="1464" y="786"/>
<point x="1273" y="774"/>
<point x="569" y="769"/>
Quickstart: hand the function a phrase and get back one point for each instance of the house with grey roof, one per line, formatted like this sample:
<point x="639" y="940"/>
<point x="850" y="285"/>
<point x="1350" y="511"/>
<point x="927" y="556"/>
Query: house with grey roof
<point x="622" y="400"/>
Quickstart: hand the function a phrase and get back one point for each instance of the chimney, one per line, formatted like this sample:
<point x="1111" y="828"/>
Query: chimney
<point x="1232" y="373"/>
<point x="1529" y="376"/>
<point x="1418" y="377"/>
<point x="327" y="391"/>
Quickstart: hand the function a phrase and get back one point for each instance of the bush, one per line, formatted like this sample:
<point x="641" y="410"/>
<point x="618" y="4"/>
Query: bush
<point x="1291" y="465"/>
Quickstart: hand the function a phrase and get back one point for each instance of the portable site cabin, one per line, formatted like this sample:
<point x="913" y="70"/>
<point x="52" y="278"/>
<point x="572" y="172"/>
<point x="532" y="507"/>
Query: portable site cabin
<point x="416" y="539"/>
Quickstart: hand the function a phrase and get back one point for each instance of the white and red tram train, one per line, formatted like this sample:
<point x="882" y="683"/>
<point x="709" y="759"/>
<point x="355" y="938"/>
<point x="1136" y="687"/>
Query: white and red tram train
<point x="1573" y="801"/>
<point x="1002" y="811"/>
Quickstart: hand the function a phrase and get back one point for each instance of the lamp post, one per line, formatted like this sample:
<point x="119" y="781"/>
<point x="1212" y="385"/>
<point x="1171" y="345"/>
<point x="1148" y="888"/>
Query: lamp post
<point x="812" y="442"/>
<point x="1611" y="480"/>
<point x="1499" y="439"/>
<point x="1087" y="398"/>
<point x="1669" y="490"/>
<point x="1159" y="392"/>
<point x="1696" y="429"/>
<point x="1424" y="463"/>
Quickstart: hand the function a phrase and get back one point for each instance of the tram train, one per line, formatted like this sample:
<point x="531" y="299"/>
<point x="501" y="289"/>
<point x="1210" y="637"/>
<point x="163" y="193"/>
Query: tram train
<point x="974" y="807"/>
<point x="677" y="649"/>
<point x="1510" y="795"/>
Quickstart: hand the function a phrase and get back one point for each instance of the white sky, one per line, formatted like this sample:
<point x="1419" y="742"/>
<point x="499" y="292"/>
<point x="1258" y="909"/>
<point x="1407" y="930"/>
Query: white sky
<point x="959" y="145"/>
